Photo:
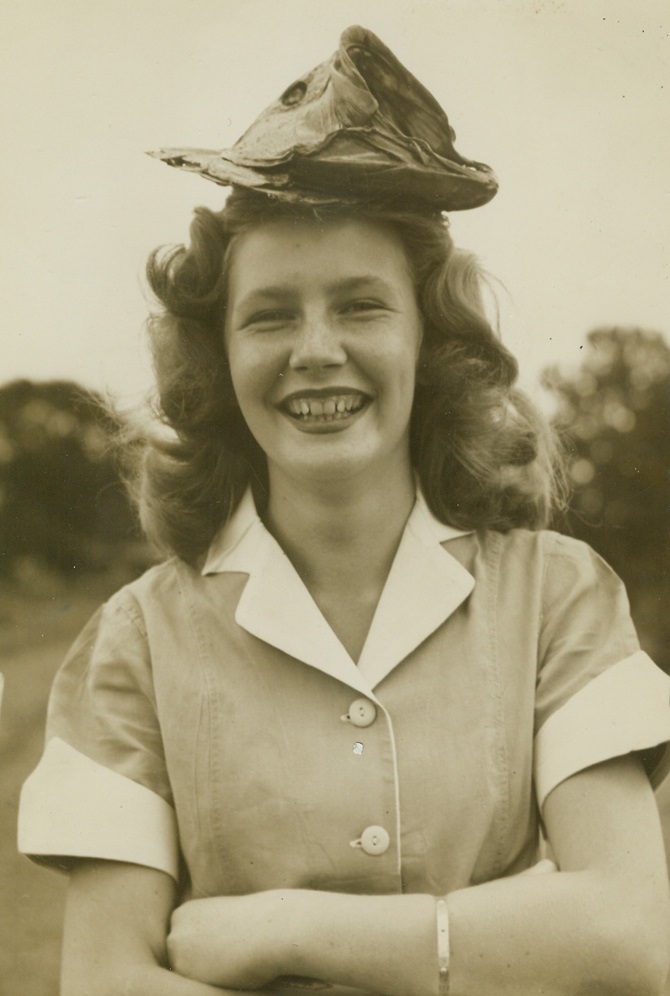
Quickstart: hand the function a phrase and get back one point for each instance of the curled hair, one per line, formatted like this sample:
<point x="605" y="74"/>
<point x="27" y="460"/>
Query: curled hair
<point x="483" y="454"/>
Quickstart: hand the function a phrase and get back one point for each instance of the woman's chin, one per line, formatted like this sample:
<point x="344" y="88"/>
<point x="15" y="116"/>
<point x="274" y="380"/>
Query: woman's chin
<point x="330" y="471"/>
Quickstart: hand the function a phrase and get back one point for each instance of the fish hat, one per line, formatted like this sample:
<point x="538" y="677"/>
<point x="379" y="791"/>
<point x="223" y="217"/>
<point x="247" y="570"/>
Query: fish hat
<point x="358" y="127"/>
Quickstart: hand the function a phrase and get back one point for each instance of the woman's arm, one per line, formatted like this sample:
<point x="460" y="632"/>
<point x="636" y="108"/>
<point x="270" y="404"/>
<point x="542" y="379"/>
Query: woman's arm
<point x="601" y="925"/>
<point x="115" y="928"/>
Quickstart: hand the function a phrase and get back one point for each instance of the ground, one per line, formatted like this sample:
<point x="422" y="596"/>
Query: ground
<point x="36" y="629"/>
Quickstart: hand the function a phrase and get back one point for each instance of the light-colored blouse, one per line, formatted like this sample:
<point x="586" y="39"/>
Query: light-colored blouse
<point x="210" y="723"/>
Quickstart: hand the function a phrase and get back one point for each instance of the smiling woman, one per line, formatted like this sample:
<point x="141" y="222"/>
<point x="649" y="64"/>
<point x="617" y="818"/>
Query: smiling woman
<point x="345" y="342"/>
<point x="318" y="746"/>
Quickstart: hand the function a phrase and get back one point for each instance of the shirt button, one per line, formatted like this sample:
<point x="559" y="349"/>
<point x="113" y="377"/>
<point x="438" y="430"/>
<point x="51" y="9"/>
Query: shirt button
<point x="375" y="840"/>
<point x="361" y="713"/>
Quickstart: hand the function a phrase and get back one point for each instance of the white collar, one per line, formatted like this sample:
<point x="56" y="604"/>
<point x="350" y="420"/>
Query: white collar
<point x="223" y="554"/>
<point x="426" y="584"/>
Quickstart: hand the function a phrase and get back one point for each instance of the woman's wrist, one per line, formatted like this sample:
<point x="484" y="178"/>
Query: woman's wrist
<point x="376" y="943"/>
<point x="292" y="912"/>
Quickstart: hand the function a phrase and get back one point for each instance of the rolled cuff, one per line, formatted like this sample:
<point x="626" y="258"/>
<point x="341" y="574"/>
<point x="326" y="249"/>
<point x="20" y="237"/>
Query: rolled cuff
<point x="73" y="807"/>
<point x="622" y="710"/>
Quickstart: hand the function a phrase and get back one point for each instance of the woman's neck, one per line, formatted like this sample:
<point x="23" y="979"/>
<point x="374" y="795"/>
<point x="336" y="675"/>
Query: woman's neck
<point x="357" y="522"/>
<point x="342" y="540"/>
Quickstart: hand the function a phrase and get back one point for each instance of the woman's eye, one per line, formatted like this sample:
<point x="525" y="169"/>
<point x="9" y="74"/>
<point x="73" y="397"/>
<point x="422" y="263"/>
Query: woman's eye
<point x="272" y="317"/>
<point x="362" y="307"/>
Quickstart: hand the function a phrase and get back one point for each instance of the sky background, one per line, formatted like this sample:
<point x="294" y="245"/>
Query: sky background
<point x="568" y="101"/>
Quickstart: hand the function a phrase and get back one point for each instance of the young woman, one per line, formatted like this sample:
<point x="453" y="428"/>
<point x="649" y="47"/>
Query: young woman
<point x="316" y="746"/>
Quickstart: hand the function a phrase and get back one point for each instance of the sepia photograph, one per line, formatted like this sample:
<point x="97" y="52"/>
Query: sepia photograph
<point x="335" y="498"/>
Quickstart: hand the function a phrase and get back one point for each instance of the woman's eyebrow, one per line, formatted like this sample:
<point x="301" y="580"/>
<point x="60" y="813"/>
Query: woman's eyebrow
<point x="260" y="295"/>
<point x="361" y="282"/>
<point x="284" y="293"/>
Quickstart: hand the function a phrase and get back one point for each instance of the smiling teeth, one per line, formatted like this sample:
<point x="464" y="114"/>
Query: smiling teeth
<point x="326" y="410"/>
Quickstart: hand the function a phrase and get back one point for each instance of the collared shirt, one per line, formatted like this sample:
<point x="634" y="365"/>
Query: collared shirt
<point x="210" y="724"/>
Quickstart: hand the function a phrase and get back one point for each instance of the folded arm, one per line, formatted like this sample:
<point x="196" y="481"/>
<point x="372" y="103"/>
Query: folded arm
<point x="599" y="925"/>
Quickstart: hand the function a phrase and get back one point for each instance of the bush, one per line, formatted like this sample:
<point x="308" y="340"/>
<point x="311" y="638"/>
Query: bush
<point x="615" y="416"/>
<point x="62" y="501"/>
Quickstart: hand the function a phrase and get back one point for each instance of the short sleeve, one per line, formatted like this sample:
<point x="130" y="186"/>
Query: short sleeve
<point x="101" y="789"/>
<point x="598" y="695"/>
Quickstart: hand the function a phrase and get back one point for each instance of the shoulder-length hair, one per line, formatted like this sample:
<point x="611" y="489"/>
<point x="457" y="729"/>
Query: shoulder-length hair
<point x="485" y="458"/>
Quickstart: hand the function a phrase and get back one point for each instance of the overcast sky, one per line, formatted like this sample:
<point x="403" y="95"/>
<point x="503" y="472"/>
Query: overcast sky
<point x="568" y="100"/>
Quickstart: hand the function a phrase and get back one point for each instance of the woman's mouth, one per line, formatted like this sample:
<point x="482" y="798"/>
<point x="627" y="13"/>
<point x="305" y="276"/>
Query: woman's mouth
<point x="328" y="408"/>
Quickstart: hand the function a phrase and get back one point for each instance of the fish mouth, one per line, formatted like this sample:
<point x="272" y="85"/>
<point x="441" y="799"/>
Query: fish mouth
<point x="324" y="406"/>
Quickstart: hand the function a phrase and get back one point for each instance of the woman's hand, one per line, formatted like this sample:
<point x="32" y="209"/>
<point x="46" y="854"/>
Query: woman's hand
<point x="231" y="941"/>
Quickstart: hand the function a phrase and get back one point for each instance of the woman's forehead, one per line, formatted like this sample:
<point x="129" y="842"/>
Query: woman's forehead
<point x="342" y="250"/>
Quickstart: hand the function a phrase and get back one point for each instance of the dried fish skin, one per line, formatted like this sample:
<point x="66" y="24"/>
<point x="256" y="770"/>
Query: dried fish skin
<point x="357" y="127"/>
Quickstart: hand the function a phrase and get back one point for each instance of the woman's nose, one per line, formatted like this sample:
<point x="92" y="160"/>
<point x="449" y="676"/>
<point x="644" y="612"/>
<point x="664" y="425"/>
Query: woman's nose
<point x="317" y="345"/>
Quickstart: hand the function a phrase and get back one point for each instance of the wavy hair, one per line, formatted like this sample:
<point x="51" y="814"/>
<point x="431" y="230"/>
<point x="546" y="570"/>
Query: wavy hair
<point x="484" y="456"/>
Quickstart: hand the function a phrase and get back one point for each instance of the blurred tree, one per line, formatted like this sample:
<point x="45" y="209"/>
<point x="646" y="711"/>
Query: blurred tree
<point x="62" y="501"/>
<point x="615" y="416"/>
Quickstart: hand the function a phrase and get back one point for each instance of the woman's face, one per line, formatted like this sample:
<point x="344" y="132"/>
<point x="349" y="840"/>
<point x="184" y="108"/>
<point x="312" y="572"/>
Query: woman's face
<point x="322" y="334"/>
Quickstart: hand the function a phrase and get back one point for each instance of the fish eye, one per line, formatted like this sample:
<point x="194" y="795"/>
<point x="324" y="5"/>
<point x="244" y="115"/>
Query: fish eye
<point x="295" y="93"/>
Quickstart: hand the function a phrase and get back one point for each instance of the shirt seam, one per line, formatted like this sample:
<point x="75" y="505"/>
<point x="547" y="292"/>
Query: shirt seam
<point x="502" y="766"/>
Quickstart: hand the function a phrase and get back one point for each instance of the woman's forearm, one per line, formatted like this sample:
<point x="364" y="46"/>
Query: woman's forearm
<point x="556" y="934"/>
<point x="561" y="934"/>
<point x="383" y="944"/>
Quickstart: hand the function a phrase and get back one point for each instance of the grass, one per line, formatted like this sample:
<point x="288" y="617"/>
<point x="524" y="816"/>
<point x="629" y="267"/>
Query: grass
<point x="36" y="628"/>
